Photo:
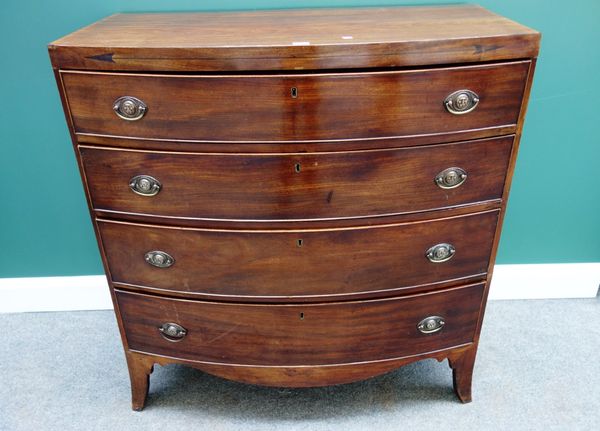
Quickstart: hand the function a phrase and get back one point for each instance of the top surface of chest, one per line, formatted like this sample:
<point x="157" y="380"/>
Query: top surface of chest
<point x="295" y="40"/>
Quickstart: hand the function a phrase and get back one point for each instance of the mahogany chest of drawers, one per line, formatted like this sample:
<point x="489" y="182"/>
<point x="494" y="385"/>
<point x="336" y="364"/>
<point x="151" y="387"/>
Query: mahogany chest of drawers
<point x="298" y="198"/>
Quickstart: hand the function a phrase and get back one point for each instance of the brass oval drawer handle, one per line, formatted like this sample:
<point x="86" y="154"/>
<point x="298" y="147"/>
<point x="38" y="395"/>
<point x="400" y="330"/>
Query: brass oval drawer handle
<point x="145" y="185"/>
<point x="172" y="331"/>
<point x="431" y="324"/>
<point x="159" y="259"/>
<point x="461" y="102"/>
<point x="129" y="108"/>
<point x="440" y="253"/>
<point x="451" y="178"/>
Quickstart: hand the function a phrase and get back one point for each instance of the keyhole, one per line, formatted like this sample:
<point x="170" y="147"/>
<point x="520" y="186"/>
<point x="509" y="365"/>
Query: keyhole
<point x="297" y="167"/>
<point x="294" y="92"/>
<point x="301" y="316"/>
<point x="299" y="243"/>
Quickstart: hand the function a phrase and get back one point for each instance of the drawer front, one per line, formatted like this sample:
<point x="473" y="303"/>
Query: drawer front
<point x="307" y="334"/>
<point x="297" y="186"/>
<point x="305" y="263"/>
<point x="294" y="107"/>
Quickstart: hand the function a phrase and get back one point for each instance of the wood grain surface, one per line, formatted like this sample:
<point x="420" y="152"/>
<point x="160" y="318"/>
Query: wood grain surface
<point x="274" y="264"/>
<point x="302" y="39"/>
<point x="296" y="186"/>
<point x="307" y="334"/>
<point x="327" y="106"/>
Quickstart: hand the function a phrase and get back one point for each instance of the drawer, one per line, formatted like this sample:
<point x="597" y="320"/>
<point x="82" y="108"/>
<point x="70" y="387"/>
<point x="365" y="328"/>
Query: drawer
<point x="306" y="334"/>
<point x="287" y="264"/>
<point x="271" y="187"/>
<point x="294" y="106"/>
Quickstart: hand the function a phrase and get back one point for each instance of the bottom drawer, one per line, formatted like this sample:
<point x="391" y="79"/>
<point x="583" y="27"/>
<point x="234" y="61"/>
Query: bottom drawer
<point x="299" y="334"/>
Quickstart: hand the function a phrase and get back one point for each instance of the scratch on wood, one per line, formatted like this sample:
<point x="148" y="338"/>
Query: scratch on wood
<point x="212" y="340"/>
<point x="329" y="197"/>
<point x="480" y="49"/>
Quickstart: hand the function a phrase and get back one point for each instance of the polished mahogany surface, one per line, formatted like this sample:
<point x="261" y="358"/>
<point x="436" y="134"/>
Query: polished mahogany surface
<point x="307" y="334"/>
<point x="286" y="264"/>
<point x="298" y="198"/>
<point x="301" y="39"/>
<point x="296" y="186"/>
<point x="296" y="107"/>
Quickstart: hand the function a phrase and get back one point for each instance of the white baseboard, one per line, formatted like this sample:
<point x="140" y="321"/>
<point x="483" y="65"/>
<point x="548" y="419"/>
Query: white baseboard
<point x="538" y="281"/>
<point x="88" y="292"/>
<point x="545" y="280"/>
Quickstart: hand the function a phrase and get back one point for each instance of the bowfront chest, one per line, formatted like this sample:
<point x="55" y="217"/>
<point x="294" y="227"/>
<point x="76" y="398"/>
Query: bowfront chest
<point x="298" y="198"/>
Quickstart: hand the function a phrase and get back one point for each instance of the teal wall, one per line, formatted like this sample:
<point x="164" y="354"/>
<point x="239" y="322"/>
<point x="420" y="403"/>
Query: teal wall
<point x="554" y="210"/>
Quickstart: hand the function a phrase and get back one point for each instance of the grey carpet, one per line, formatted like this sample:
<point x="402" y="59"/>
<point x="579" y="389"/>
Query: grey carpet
<point x="538" y="368"/>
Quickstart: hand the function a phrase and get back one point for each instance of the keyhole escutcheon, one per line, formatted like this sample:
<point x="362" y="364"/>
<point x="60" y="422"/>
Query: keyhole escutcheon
<point x="294" y="92"/>
<point x="297" y="167"/>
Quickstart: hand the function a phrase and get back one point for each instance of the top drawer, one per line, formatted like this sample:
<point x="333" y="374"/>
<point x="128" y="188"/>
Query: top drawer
<point x="294" y="107"/>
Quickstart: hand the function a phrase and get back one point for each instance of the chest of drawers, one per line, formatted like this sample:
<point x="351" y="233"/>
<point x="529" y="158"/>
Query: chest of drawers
<point x="298" y="198"/>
